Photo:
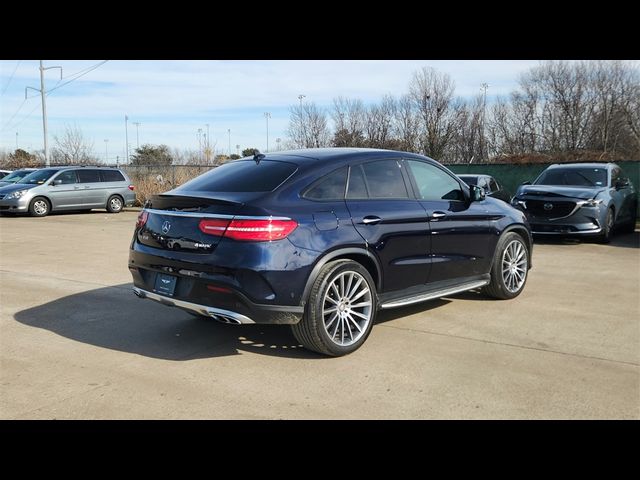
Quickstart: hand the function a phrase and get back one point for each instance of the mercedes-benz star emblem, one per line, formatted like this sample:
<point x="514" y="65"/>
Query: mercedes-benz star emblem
<point x="547" y="206"/>
<point x="166" y="226"/>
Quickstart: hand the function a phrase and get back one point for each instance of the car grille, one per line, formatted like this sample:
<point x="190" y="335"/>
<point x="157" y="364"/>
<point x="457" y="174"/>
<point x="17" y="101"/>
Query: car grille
<point x="550" y="209"/>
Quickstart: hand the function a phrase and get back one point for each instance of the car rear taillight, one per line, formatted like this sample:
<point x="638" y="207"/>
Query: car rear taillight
<point x="142" y="219"/>
<point x="248" y="230"/>
<point x="213" y="227"/>
<point x="131" y="187"/>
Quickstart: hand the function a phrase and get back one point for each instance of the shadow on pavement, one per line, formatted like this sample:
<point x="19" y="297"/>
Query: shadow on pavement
<point x="112" y="317"/>
<point x="626" y="240"/>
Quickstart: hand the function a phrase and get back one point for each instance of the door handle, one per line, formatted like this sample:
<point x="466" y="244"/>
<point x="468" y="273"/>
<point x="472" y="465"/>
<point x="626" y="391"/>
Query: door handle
<point x="438" y="215"/>
<point x="371" y="220"/>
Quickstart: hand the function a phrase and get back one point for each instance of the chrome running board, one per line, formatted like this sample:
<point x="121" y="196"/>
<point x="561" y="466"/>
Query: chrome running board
<point x="401" y="302"/>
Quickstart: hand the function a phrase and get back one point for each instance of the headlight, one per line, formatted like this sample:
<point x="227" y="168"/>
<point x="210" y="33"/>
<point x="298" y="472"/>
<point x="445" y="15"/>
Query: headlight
<point x="519" y="203"/>
<point x="16" y="194"/>
<point x="590" y="203"/>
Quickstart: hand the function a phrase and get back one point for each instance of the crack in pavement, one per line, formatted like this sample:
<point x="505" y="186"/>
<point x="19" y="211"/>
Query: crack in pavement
<point x="429" y="332"/>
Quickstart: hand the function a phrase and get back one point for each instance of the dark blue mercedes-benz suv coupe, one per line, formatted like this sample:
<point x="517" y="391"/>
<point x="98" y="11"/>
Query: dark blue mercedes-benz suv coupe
<point x="324" y="238"/>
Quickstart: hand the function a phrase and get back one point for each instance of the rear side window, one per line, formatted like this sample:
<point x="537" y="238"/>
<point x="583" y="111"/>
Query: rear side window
<point x="384" y="179"/>
<point x="243" y="176"/>
<point x="493" y="185"/>
<point x="88" y="176"/>
<point x="329" y="187"/>
<point x="111" y="176"/>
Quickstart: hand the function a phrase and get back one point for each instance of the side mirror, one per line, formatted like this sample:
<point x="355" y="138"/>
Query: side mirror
<point x="56" y="182"/>
<point x="622" y="183"/>
<point x="477" y="193"/>
<point x="526" y="183"/>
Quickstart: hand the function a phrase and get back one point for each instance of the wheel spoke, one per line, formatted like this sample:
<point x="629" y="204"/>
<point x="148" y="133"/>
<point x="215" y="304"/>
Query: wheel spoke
<point x="335" y="289"/>
<point x="357" y="314"/>
<point x="342" y="292"/>
<point x="362" y="292"/>
<point x="362" y="304"/>
<point x="354" y="322"/>
<point x="333" y="319"/>
<point x="349" y="327"/>
<point x="330" y="310"/>
<point x="327" y="298"/>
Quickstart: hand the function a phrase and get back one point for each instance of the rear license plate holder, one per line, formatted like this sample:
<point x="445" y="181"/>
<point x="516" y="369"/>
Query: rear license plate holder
<point x="165" y="284"/>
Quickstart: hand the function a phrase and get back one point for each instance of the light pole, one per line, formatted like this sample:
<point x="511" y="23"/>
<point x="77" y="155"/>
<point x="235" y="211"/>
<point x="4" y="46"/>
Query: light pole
<point x="483" y="87"/>
<point x="207" y="148"/>
<point x="44" y="108"/>
<point x="229" y="132"/>
<point x="267" y="116"/>
<point x="126" y="137"/>
<point x="300" y="97"/>
<point x="16" y="140"/>
<point x="278" y="140"/>
<point x="106" y="151"/>
<point x="137" y="124"/>
<point x="238" y="150"/>
<point x="199" y="144"/>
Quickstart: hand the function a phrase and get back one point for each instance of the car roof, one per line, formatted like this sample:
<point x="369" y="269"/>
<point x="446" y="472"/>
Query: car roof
<point x="582" y="165"/>
<point x="336" y="154"/>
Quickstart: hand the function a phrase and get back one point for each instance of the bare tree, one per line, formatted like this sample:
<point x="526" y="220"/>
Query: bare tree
<point x="432" y="94"/>
<point x="349" y="118"/>
<point x="72" y="147"/>
<point x="406" y="125"/>
<point x="379" y="124"/>
<point x="466" y="145"/>
<point x="308" y="127"/>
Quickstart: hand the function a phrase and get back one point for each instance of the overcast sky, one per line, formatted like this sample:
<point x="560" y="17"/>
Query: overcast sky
<point x="173" y="99"/>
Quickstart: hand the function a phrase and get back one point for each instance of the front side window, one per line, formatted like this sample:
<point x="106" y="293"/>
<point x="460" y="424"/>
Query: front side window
<point x="88" y="176"/>
<point x="433" y="183"/>
<point x="68" y="176"/>
<point x="329" y="187"/>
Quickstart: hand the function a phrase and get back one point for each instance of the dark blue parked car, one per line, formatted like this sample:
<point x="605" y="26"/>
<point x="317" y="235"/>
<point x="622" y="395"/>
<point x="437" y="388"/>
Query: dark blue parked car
<point x="322" y="239"/>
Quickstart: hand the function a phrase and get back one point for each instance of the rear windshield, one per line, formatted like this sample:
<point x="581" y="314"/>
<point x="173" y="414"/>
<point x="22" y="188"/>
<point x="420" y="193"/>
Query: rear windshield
<point x="583" y="177"/>
<point x="242" y="176"/>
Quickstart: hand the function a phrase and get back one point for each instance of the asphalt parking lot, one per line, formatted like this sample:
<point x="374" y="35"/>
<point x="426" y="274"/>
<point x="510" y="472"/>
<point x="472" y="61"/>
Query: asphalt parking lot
<point x="75" y="343"/>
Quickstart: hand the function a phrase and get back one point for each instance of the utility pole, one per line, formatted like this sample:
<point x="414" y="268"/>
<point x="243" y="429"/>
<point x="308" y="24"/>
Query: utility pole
<point x="16" y="140"/>
<point x="483" y="87"/>
<point x="267" y="116"/>
<point x="126" y="136"/>
<point x="117" y="161"/>
<point x="43" y="94"/>
<point x="278" y="140"/>
<point x="137" y="124"/>
<point x="229" y="132"/>
<point x="238" y="150"/>
<point x="199" y="144"/>
<point x="207" y="148"/>
<point x="106" y="151"/>
<point x="300" y="97"/>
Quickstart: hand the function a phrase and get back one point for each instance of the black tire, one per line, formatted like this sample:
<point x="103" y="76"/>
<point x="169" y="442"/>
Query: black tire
<point x="312" y="331"/>
<point x="630" y="226"/>
<point x="39" y="207"/>
<point x="115" y="204"/>
<point x="501" y="286"/>
<point x="607" y="228"/>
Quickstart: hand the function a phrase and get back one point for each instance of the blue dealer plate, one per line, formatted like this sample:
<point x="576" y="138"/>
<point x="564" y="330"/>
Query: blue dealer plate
<point x="165" y="284"/>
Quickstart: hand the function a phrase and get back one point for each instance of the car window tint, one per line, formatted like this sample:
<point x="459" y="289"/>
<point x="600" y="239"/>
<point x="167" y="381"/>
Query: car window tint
<point x="384" y="179"/>
<point x="357" y="187"/>
<point x="330" y="187"/>
<point x="88" y="176"/>
<point x="67" y="177"/>
<point x="243" y="176"/>
<point x="111" y="176"/>
<point x="433" y="183"/>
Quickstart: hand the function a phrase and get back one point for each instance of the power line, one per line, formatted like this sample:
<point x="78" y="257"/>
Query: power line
<point x="13" y="116"/>
<point x="11" y="78"/>
<point x="90" y="69"/>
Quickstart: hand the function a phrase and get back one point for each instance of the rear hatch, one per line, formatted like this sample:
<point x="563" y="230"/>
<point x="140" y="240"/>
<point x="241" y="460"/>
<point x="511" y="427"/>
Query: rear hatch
<point x="174" y="222"/>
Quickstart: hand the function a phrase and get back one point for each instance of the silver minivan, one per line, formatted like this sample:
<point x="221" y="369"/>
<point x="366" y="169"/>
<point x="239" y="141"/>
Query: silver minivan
<point x="68" y="188"/>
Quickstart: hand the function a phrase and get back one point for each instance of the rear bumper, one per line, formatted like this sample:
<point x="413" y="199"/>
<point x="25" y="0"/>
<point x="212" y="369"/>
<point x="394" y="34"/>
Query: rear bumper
<point x="253" y="314"/>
